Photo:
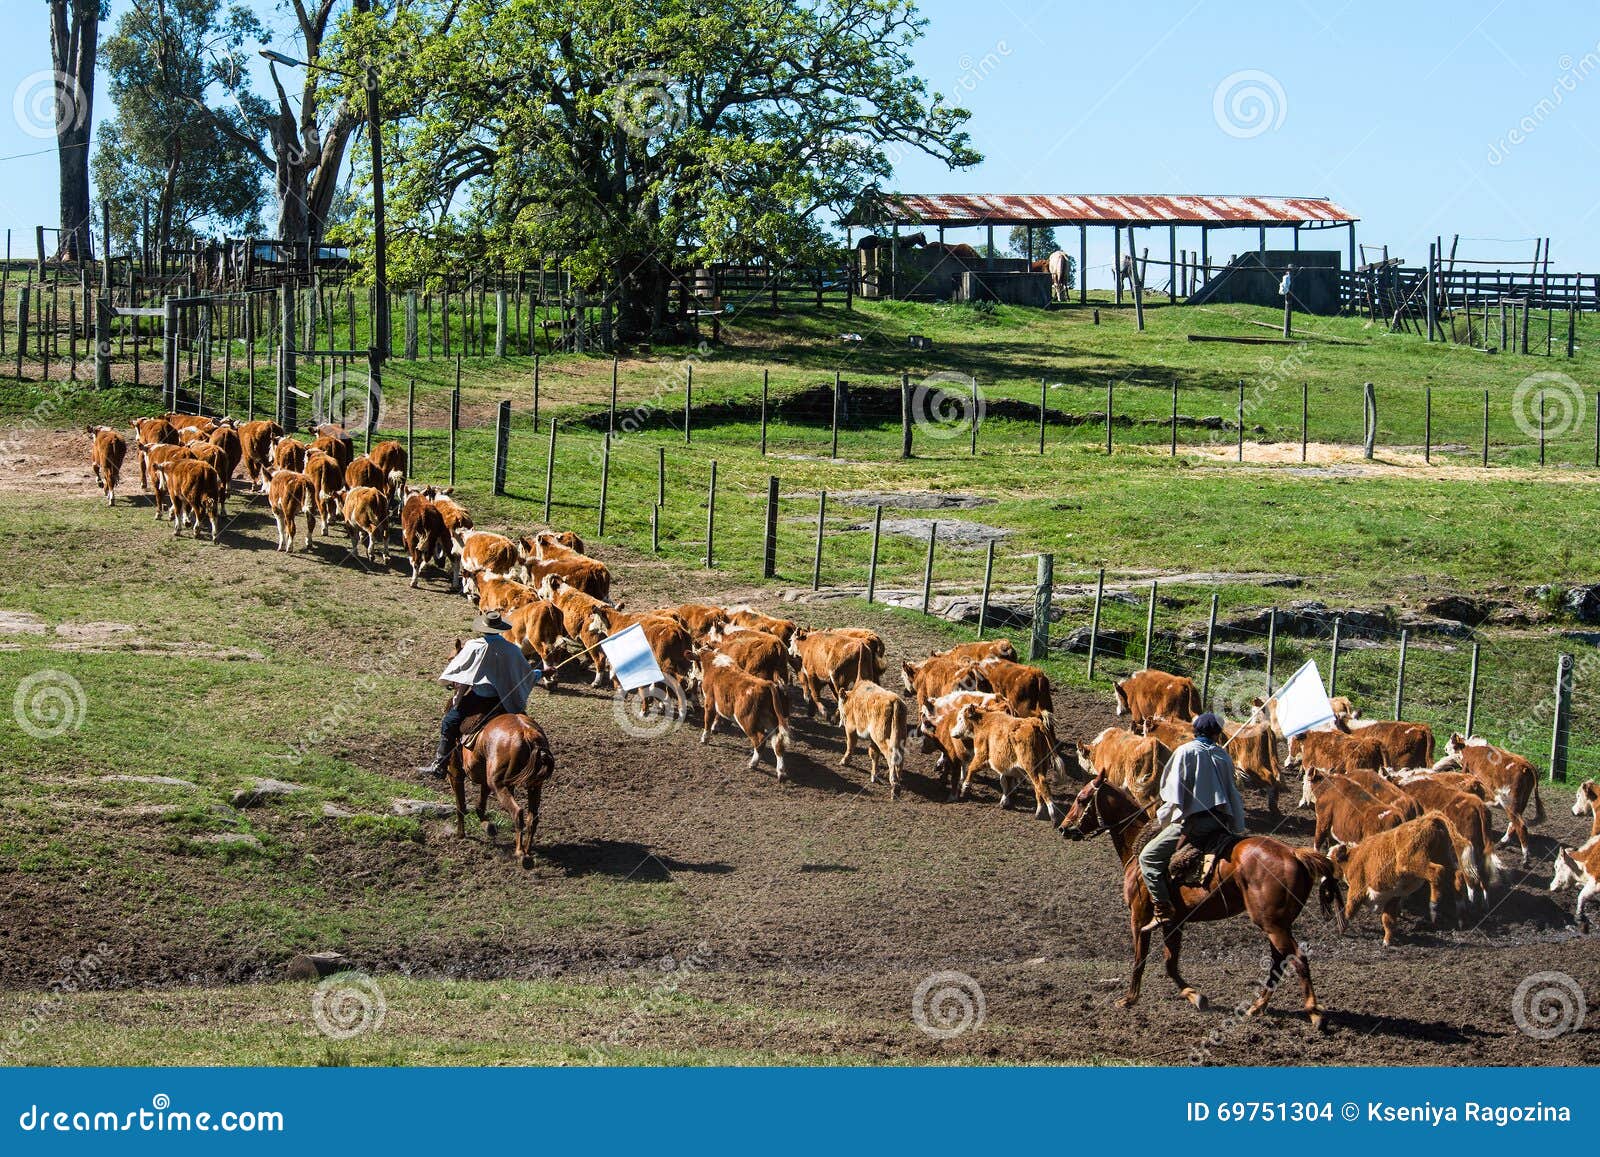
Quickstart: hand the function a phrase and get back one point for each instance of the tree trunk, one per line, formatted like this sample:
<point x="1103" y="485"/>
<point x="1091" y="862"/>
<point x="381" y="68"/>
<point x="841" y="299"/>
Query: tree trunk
<point x="74" y="43"/>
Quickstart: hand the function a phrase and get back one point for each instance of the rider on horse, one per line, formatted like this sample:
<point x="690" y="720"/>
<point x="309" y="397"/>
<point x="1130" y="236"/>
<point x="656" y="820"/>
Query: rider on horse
<point x="1200" y="800"/>
<point x="491" y="675"/>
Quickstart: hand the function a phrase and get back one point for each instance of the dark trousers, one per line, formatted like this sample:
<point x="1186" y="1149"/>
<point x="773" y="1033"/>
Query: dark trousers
<point x="464" y="707"/>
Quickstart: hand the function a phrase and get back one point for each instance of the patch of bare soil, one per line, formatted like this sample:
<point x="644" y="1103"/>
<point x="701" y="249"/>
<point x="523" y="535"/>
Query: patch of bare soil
<point x="1335" y="460"/>
<point x="820" y="894"/>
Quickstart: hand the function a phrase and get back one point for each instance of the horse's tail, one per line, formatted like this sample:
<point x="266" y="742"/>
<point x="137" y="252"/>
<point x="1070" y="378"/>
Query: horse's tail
<point x="1327" y="877"/>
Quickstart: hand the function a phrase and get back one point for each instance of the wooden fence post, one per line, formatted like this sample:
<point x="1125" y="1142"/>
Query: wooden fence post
<point x="169" y="363"/>
<point x="549" y="471"/>
<point x="976" y="414"/>
<point x="1239" y="421"/>
<point x="834" y="452"/>
<point x="1043" y="386"/>
<point x="988" y="578"/>
<point x="605" y="481"/>
<point x="655" y="530"/>
<point x="536" y="390"/>
<point x="1472" y="691"/>
<point x="611" y="414"/>
<point x="1369" y="412"/>
<point x="1333" y="661"/>
<point x="769" y="548"/>
<point x="499" y="323"/>
<point x="1486" y="427"/>
<point x="1149" y="624"/>
<point x="1561" y="725"/>
<point x="22" y="332"/>
<point x="765" y="374"/>
<point x="1109" y="400"/>
<point x="502" y="444"/>
<point x="1043" y="596"/>
<point x="411" y="424"/>
<point x="816" y="559"/>
<point x="872" y="562"/>
<point x="455" y="424"/>
<point x="1305" y="417"/>
<point x="1541" y="427"/>
<point x="927" y="567"/>
<point x="102" y="341"/>
<point x="688" y="405"/>
<point x="1174" y="452"/>
<point x="410" y="347"/>
<point x="1400" y="677"/>
<point x="1272" y="648"/>
<point x="711" y="516"/>
<point x="1094" y="620"/>
<point x="905" y="414"/>
<point x="1205" y="671"/>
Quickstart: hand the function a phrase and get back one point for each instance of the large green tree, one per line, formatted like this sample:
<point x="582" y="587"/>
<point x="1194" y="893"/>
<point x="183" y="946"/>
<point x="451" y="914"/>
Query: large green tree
<point x="627" y="138"/>
<point x="162" y="58"/>
<point x="74" y="40"/>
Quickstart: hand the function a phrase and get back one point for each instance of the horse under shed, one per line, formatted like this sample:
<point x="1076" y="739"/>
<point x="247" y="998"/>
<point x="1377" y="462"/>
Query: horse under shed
<point x="1190" y="269"/>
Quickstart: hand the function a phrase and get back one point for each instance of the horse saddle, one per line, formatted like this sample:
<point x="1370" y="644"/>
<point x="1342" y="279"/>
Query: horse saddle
<point x="1194" y="866"/>
<point x="472" y="725"/>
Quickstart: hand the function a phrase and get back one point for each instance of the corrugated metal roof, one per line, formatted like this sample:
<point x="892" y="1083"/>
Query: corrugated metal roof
<point x="965" y="209"/>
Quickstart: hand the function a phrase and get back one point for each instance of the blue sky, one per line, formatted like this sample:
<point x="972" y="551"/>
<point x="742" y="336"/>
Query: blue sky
<point x="1422" y="118"/>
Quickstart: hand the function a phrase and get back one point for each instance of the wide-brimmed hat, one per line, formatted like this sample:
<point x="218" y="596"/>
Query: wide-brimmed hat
<point x="490" y="621"/>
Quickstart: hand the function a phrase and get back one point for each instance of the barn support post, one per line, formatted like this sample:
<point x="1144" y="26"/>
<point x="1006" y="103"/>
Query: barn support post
<point x="816" y="558"/>
<point x="1149" y="624"/>
<point x="502" y="446"/>
<point x="1205" y="254"/>
<point x="1083" y="264"/>
<point x="1094" y="620"/>
<point x="988" y="257"/>
<point x="711" y="516"/>
<point x="1472" y="690"/>
<point x="1116" y="259"/>
<point x="1369" y="414"/>
<point x="1138" y="291"/>
<point x="661" y="475"/>
<point x="549" y="471"/>
<point x="872" y="562"/>
<point x="765" y="374"/>
<point x="1272" y="649"/>
<point x="1400" y="677"/>
<point x="834" y="451"/>
<point x="927" y="567"/>
<point x="455" y="420"/>
<point x="1043" y="596"/>
<point x="1172" y="263"/>
<point x="770" y="530"/>
<point x="1352" y="241"/>
<point x="1561" y="725"/>
<point x="605" y="481"/>
<point x="1211" y="638"/>
<point x="1333" y="659"/>
<point x="411" y="326"/>
<point x="905" y="415"/>
<point x="988" y="579"/>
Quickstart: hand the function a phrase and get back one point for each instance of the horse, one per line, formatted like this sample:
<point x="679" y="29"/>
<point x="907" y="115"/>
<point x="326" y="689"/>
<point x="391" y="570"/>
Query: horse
<point x="509" y="752"/>
<point x="1058" y="265"/>
<point x="1261" y="877"/>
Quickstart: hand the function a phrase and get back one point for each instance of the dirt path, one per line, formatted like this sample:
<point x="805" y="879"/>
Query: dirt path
<point x="820" y="894"/>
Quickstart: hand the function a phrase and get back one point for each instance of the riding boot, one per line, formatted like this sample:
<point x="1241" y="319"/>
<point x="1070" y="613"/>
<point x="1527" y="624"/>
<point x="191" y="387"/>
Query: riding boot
<point x="1165" y="915"/>
<point x="441" y="759"/>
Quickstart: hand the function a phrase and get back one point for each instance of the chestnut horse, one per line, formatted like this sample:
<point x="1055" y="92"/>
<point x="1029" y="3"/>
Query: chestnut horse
<point x="1261" y="877"/>
<point x="509" y="753"/>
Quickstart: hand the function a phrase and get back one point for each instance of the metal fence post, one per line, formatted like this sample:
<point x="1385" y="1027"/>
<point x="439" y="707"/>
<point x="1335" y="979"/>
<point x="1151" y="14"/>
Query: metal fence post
<point x="1094" y="619"/>
<point x="1272" y="648"/>
<point x="765" y="374"/>
<point x="455" y="424"/>
<point x="1149" y="624"/>
<point x="1211" y="635"/>
<point x="1400" y="678"/>
<point x="1043" y="590"/>
<point x="988" y="577"/>
<point x="1472" y="691"/>
<point x="769" y="549"/>
<point x="1561" y="725"/>
<point x="549" y="471"/>
<point x="605" y="480"/>
<point x="927" y="567"/>
<point x="872" y="563"/>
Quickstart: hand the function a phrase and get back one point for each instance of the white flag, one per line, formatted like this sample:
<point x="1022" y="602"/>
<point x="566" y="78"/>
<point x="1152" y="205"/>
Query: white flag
<point x="1303" y="702"/>
<point x="632" y="661"/>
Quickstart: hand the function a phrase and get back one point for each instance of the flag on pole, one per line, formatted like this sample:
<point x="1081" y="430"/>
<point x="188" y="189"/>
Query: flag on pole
<point x="632" y="661"/>
<point x="1303" y="702"/>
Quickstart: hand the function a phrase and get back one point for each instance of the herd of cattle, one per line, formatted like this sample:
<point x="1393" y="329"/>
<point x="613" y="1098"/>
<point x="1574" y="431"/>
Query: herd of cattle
<point x="1397" y="819"/>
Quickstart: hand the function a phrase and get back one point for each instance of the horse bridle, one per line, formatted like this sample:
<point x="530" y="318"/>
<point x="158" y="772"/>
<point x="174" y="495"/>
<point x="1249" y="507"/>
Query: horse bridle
<point x="1100" y="825"/>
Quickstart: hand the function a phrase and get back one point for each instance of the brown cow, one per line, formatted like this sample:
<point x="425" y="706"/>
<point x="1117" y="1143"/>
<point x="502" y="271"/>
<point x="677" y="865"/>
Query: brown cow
<point x="290" y="495"/>
<point x="576" y="610"/>
<point x="215" y="457"/>
<point x="1469" y="815"/>
<point x="1254" y="749"/>
<point x="1584" y="803"/>
<point x="427" y="539"/>
<point x="485" y="555"/>
<point x="1510" y="780"/>
<point x="289" y="454"/>
<point x="1405" y="745"/>
<point x="755" y="652"/>
<point x="989" y="649"/>
<point x="1348" y="813"/>
<point x="256" y="439"/>
<point x="703" y="620"/>
<point x="1026" y="688"/>
<point x="161" y="455"/>
<point x="877" y="715"/>
<point x="227" y="437"/>
<point x="670" y="641"/>
<point x="936" y="722"/>
<point x="363" y="471"/>
<point x="835" y="659"/>
<point x="940" y="675"/>
<point x="1332" y="751"/>
<point x="107" y="453"/>
<point x="1007" y="745"/>
<point x="1131" y="762"/>
<point x="752" y="619"/>
<point x="1391" y="865"/>
<point x="366" y="515"/>
<point x="504" y="595"/>
<point x="537" y="628"/>
<point x="151" y="432"/>
<point x="390" y="458"/>
<point x="587" y="574"/>
<point x="554" y="544"/>
<point x="328" y="481"/>
<point x="341" y="449"/>
<point x="195" y="488"/>
<point x="1149" y="693"/>
<point x="754" y="704"/>
<point x="1580" y="869"/>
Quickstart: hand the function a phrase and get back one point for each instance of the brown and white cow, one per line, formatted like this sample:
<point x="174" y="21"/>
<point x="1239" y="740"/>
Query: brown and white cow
<point x="390" y="458"/>
<point x="704" y="620"/>
<point x="1131" y="762"/>
<point x="1013" y="748"/>
<point x="936" y="722"/>
<point x="1254" y="749"/>
<point x="495" y="594"/>
<point x="577" y="608"/>
<point x="151" y="432"/>
<point x="1587" y="803"/>
<point x="1392" y="864"/>
<point x="1579" y="869"/>
<point x="289" y="454"/>
<point x="107" y="452"/>
<point x="256" y="439"/>
<point x="363" y="471"/>
<point x="1332" y="751"/>
<point x="1026" y="688"/>
<point x="1469" y="815"/>
<point x="941" y="675"/>
<point x="195" y="489"/>
<point x="833" y="659"/>
<point x="1149" y="693"/>
<point x="289" y="495"/>
<point x="1348" y="813"/>
<point x="588" y="575"/>
<point x="749" y="617"/>
<point x="538" y="629"/>
<point x="486" y="555"/>
<point x="1405" y="745"/>
<point x="877" y="715"/>
<point x="670" y="641"/>
<point x="366" y="515"/>
<point x="754" y="651"/>
<point x="215" y="457"/>
<point x="427" y="539"/>
<point x="328" y="481"/>
<point x="337" y="445"/>
<point x="754" y="704"/>
<point x="162" y="455"/>
<point x="987" y="649"/>
<point x="1510" y="780"/>
<point x="227" y="438"/>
